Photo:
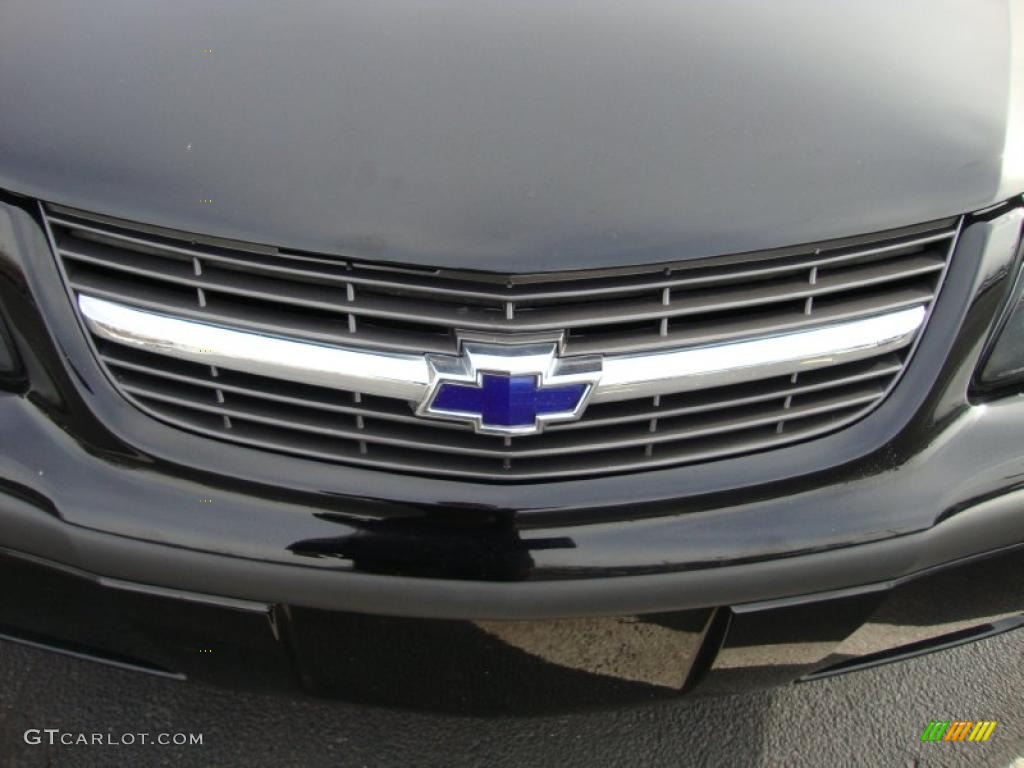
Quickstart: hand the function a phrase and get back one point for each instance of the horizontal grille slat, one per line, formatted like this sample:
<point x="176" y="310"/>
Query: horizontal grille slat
<point x="340" y="272"/>
<point x="332" y="300"/>
<point x="264" y="318"/>
<point x="319" y="398"/>
<point x="702" y="402"/>
<point x="372" y="305"/>
<point x="468" y="467"/>
<point x="736" y="297"/>
<point x="280" y="415"/>
<point x="778" y="318"/>
<point x="320" y="403"/>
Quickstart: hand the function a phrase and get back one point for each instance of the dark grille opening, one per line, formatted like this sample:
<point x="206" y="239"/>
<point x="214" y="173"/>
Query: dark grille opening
<point x="335" y="301"/>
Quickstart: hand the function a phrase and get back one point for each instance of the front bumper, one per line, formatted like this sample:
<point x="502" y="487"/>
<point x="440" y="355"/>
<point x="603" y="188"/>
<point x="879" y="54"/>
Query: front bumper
<point x="481" y="666"/>
<point x="236" y="566"/>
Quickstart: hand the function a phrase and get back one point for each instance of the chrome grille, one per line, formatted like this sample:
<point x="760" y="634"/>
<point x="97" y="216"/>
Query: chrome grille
<point x="342" y="302"/>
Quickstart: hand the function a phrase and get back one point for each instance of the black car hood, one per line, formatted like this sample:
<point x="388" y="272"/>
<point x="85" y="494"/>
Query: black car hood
<point x="507" y="136"/>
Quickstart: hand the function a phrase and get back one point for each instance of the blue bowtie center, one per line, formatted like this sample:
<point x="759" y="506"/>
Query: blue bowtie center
<point x="508" y="401"/>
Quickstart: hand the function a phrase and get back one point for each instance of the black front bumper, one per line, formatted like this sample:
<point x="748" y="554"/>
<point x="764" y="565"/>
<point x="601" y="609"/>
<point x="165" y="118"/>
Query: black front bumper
<point x="134" y="542"/>
<point x="525" y="666"/>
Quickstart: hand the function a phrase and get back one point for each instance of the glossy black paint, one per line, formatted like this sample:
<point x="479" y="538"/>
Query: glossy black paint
<point x="422" y="577"/>
<point x="8" y="362"/>
<point x="771" y="643"/>
<point x="508" y="136"/>
<point x="999" y="368"/>
<point x="88" y="459"/>
<point x="506" y="667"/>
<point x="649" y="134"/>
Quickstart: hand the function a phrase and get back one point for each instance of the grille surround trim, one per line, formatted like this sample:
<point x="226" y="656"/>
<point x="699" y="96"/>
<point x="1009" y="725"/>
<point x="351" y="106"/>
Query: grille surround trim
<point x="942" y="235"/>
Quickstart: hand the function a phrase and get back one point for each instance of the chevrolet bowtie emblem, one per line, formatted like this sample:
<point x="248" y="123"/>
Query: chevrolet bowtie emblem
<point x="509" y="388"/>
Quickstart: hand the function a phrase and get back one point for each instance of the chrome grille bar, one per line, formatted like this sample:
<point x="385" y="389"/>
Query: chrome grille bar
<point x="627" y="377"/>
<point x="379" y="373"/>
<point x="407" y="377"/>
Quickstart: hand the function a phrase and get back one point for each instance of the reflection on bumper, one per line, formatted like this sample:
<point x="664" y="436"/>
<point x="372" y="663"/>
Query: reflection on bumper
<point x="633" y="648"/>
<point x="513" y="665"/>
